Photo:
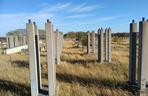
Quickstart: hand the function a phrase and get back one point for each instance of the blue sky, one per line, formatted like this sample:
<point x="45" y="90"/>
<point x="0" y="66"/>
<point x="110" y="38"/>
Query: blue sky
<point x="72" y="15"/>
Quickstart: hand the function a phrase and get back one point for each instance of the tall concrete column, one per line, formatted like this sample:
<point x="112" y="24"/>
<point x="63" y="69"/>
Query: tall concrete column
<point x="106" y="44"/>
<point x="8" y="42"/>
<point x="50" y="58"/>
<point x="100" y="45"/>
<point x="20" y="40"/>
<point x="32" y="58"/>
<point x="58" y="46"/>
<point x="61" y="42"/>
<point x="88" y="42"/>
<point x="93" y="41"/>
<point x="24" y="40"/>
<point x="12" y="42"/>
<point x="37" y="56"/>
<point x="16" y="41"/>
<point x="109" y="45"/>
<point x="143" y="54"/>
<point x="55" y="45"/>
<point x="132" y="52"/>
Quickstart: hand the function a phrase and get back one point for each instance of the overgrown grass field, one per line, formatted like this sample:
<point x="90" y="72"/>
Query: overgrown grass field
<point x="79" y="74"/>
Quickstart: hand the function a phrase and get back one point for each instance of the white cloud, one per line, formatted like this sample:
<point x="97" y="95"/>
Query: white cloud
<point x="61" y="13"/>
<point x="95" y="21"/>
<point x="84" y="8"/>
<point x="69" y="7"/>
<point x="54" y="8"/>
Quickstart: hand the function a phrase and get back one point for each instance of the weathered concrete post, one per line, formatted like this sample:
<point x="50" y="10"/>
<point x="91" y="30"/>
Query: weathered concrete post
<point x="93" y="41"/>
<point x="57" y="43"/>
<point x="37" y="56"/>
<point x="109" y="45"/>
<point x="61" y="45"/>
<point x="50" y="58"/>
<point x="61" y="42"/>
<point x="55" y="46"/>
<point x="8" y="42"/>
<point x="100" y="45"/>
<point x="106" y="44"/>
<point x="12" y="41"/>
<point x="16" y="41"/>
<point x="32" y="58"/>
<point x="88" y="42"/>
<point x="143" y="54"/>
<point x="132" y="51"/>
<point x="21" y="40"/>
<point x="24" y="40"/>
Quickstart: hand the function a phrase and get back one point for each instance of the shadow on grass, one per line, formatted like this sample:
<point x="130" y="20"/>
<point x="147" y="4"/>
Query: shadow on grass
<point x="19" y="89"/>
<point x="91" y="82"/>
<point x="20" y="63"/>
<point x="72" y="53"/>
<point x="83" y="62"/>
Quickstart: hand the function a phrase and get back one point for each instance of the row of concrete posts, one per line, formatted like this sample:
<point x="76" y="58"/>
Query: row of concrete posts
<point x="16" y="41"/>
<point x="54" y="42"/>
<point x="104" y="44"/>
<point x="141" y="82"/>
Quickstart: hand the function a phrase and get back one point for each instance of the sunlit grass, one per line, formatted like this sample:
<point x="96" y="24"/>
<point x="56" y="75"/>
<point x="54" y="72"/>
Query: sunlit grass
<point x="79" y="74"/>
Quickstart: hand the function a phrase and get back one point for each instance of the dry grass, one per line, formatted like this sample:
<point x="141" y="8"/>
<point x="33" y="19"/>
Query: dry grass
<point x="79" y="74"/>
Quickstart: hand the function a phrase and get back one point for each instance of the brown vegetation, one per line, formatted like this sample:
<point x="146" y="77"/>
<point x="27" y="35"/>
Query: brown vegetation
<point x="79" y="74"/>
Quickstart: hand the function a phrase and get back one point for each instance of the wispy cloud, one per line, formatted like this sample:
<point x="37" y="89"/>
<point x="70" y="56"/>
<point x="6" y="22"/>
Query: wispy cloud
<point x="70" y="7"/>
<point x="54" y="8"/>
<point x="62" y="14"/>
<point x="84" y="8"/>
<point x="95" y="21"/>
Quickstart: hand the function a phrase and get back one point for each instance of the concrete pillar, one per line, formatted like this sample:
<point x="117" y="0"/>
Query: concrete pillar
<point x="88" y="42"/>
<point x="55" y="46"/>
<point x="16" y="41"/>
<point x="8" y="42"/>
<point x="58" y="46"/>
<point x="132" y="52"/>
<point x="37" y="56"/>
<point x="106" y="44"/>
<point x="143" y="54"/>
<point x="109" y="45"/>
<point x="20" y="40"/>
<point x="24" y="40"/>
<point x="32" y="58"/>
<point x="93" y="41"/>
<point x="61" y="42"/>
<point x="100" y="45"/>
<point x="50" y="58"/>
<point x="12" y="42"/>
